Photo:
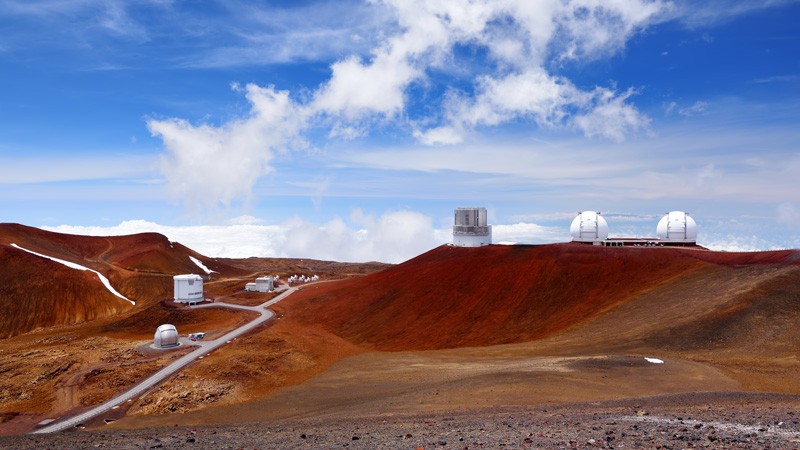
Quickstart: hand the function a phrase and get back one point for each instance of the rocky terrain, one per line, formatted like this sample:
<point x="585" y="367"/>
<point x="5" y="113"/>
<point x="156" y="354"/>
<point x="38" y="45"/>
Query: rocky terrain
<point x="707" y="420"/>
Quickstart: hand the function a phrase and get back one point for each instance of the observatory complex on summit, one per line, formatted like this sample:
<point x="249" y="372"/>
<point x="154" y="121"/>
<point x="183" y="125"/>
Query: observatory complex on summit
<point x="676" y="228"/>
<point x="471" y="228"/>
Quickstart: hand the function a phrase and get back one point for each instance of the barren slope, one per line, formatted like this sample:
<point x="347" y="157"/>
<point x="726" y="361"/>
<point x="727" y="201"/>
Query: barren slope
<point x="455" y="297"/>
<point x="576" y="322"/>
<point x="37" y="292"/>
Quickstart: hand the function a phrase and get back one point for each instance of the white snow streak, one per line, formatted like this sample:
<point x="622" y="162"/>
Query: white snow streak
<point x="654" y="360"/>
<point x="201" y="265"/>
<point x="72" y="265"/>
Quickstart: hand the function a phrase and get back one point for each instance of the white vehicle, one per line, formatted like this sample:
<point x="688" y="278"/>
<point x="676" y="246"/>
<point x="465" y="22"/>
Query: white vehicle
<point x="197" y="336"/>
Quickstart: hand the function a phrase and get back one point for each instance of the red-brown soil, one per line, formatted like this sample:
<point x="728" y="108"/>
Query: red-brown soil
<point x="455" y="328"/>
<point x="455" y="297"/>
<point x="575" y="327"/>
<point x="38" y="292"/>
<point x="66" y="342"/>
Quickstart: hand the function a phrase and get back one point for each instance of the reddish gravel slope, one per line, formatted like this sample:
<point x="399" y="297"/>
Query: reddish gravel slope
<point x="456" y="297"/>
<point x="37" y="292"/>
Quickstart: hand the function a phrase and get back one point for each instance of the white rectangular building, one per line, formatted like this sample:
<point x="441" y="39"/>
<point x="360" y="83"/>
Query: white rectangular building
<point x="188" y="288"/>
<point x="265" y="284"/>
<point x="470" y="228"/>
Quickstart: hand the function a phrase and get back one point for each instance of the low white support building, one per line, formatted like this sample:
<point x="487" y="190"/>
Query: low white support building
<point x="265" y="284"/>
<point x="250" y="287"/>
<point x="471" y="228"/>
<point x="188" y="288"/>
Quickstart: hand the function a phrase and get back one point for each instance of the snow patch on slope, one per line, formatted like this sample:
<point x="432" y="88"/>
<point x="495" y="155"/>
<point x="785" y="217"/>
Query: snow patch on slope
<point x="72" y="265"/>
<point x="201" y="265"/>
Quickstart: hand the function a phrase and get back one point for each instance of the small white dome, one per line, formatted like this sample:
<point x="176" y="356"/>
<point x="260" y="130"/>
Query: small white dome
<point x="589" y="226"/>
<point x="166" y="336"/>
<point x="677" y="226"/>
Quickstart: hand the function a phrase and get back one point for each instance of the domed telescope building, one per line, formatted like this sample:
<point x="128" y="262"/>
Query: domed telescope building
<point x="589" y="226"/>
<point x="166" y="336"/>
<point x="471" y="228"/>
<point x="677" y="227"/>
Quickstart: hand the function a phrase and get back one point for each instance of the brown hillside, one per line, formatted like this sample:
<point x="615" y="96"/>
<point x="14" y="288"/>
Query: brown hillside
<point x="457" y="297"/>
<point x="144" y="252"/>
<point x="38" y="292"/>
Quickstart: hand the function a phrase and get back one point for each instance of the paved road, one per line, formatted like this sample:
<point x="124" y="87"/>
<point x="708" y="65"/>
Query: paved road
<point x="204" y="348"/>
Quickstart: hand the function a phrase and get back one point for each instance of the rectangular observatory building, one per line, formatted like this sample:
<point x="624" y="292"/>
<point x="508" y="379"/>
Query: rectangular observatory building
<point x="471" y="228"/>
<point x="188" y="288"/>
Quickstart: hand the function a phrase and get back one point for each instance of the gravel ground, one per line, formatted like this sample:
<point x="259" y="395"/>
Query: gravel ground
<point x="708" y="420"/>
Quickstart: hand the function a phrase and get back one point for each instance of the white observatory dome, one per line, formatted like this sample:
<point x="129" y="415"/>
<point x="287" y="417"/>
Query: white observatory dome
<point x="589" y="226"/>
<point x="166" y="336"/>
<point x="677" y="226"/>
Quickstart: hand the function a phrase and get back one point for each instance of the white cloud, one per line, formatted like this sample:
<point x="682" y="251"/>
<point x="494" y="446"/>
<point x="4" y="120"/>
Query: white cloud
<point x="529" y="233"/>
<point x="610" y="117"/>
<point x="696" y="108"/>
<point x="737" y="243"/>
<point x="270" y="34"/>
<point x="357" y="89"/>
<point x="521" y="37"/>
<point x="245" y="220"/>
<point x="696" y="14"/>
<point x="776" y="79"/>
<point x="207" y="166"/>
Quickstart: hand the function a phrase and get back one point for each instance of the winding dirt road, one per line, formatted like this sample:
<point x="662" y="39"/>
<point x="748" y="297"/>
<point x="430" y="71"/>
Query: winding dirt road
<point x="204" y="348"/>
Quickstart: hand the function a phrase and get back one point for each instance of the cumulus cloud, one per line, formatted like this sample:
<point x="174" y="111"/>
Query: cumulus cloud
<point x="523" y="40"/>
<point x="522" y="46"/>
<point x="207" y="166"/>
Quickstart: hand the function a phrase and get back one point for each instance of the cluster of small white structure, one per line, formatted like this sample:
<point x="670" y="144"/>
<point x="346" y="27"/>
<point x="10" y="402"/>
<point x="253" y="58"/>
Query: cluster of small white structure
<point x="302" y="279"/>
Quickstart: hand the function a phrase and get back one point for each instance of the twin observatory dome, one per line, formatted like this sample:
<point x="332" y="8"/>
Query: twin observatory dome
<point x="676" y="228"/>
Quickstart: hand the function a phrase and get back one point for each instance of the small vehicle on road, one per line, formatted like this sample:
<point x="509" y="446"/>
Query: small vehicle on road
<point x="197" y="336"/>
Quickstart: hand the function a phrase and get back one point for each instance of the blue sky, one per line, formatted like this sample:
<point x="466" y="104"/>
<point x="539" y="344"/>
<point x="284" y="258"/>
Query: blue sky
<point x="350" y="130"/>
